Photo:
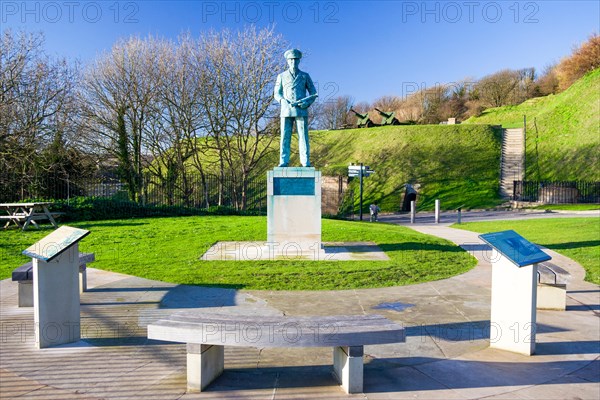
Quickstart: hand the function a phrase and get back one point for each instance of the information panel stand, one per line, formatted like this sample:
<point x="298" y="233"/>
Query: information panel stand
<point x="514" y="290"/>
<point x="56" y="287"/>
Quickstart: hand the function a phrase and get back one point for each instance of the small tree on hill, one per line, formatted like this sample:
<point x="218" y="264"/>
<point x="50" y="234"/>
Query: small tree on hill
<point x="548" y="82"/>
<point x="335" y="113"/>
<point x="584" y="59"/>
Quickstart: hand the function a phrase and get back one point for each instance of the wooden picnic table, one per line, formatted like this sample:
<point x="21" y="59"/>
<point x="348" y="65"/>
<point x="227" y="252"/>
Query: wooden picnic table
<point x="24" y="214"/>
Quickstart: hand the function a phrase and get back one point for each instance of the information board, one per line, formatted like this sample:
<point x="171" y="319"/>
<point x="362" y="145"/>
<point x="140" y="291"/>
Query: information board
<point x="55" y="243"/>
<point x="515" y="247"/>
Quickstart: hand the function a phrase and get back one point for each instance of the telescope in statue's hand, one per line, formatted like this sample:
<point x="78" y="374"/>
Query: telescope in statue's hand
<point x="306" y="99"/>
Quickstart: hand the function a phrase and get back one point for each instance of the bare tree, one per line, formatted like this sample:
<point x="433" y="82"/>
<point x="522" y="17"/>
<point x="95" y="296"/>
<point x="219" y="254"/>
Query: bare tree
<point x="388" y="103"/>
<point x="175" y="119"/>
<point x="457" y="99"/>
<point x="584" y="59"/>
<point x="237" y="99"/>
<point x="36" y="94"/>
<point x="497" y="89"/>
<point x="548" y="82"/>
<point x="119" y="90"/>
<point x="335" y="113"/>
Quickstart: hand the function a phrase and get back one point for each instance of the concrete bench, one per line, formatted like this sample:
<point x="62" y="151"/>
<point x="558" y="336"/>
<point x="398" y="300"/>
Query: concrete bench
<point x="206" y="336"/>
<point x="552" y="286"/>
<point x="24" y="275"/>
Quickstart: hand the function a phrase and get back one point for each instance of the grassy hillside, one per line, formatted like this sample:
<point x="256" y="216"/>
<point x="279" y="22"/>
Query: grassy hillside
<point x="458" y="164"/>
<point x="563" y="131"/>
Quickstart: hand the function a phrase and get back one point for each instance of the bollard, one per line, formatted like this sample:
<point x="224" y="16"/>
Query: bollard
<point x="412" y="211"/>
<point x="459" y="215"/>
<point x="437" y="211"/>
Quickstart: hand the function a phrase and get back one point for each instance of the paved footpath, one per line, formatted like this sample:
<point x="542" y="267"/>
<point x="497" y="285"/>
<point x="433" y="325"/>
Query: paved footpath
<point x="446" y="355"/>
<point x="473" y="216"/>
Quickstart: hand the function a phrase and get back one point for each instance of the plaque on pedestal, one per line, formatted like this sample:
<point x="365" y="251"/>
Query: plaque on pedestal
<point x="514" y="290"/>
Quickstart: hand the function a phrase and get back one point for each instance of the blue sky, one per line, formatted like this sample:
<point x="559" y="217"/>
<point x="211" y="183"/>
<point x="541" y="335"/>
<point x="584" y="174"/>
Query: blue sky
<point x="364" y="49"/>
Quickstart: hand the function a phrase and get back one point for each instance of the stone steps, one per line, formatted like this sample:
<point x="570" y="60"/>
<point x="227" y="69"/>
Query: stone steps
<point x="511" y="169"/>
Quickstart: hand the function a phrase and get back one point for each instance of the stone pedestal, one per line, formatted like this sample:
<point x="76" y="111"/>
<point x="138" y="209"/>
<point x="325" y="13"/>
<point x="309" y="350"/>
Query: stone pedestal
<point x="294" y="209"/>
<point x="513" y="309"/>
<point x="56" y="299"/>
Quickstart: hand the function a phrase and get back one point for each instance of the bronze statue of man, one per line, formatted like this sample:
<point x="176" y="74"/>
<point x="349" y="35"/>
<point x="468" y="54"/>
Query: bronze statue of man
<point x="295" y="91"/>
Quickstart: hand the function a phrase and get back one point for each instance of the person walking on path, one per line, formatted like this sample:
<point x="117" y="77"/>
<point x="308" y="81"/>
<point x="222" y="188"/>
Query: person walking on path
<point x="374" y="209"/>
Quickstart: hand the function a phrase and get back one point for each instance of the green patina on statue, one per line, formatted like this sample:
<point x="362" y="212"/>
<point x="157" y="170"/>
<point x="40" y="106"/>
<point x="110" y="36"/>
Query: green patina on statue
<point x="295" y="91"/>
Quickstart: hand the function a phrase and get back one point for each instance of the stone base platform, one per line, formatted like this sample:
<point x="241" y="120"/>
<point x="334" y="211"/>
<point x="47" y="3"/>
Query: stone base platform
<point x="328" y="251"/>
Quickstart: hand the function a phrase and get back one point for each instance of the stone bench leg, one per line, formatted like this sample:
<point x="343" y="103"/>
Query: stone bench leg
<point x="348" y="367"/>
<point x="551" y="297"/>
<point x="204" y="364"/>
<point x="82" y="278"/>
<point x="25" y="293"/>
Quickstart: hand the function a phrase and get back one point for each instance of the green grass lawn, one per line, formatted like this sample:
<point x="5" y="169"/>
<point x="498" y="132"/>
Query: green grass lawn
<point x="568" y="207"/>
<point x="576" y="238"/>
<point x="168" y="249"/>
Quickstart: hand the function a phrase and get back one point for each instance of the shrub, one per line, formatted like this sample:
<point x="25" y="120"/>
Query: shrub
<point x="548" y="82"/>
<point x="104" y="208"/>
<point x="584" y="59"/>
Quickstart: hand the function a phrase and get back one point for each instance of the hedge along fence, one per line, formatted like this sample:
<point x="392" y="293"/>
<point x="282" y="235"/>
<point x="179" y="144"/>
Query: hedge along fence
<point x="93" y="199"/>
<point x="194" y="192"/>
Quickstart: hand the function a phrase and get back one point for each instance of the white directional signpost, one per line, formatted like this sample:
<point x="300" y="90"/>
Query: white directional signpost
<point x="56" y="287"/>
<point x="514" y="291"/>
<point x="360" y="171"/>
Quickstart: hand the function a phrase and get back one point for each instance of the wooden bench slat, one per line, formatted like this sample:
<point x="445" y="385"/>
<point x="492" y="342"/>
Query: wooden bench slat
<point x="38" y="217"/>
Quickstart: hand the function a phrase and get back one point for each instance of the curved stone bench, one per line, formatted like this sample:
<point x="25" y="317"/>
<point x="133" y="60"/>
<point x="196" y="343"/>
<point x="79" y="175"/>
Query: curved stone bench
<point x="206" y="336"/>
<point x="552" y="286"/>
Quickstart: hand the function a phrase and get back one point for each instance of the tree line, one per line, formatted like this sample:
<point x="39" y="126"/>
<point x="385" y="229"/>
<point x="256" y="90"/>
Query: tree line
<point x="469" y="97"/>
<point x="196" y="105"/>
<point x="201" y="105"/>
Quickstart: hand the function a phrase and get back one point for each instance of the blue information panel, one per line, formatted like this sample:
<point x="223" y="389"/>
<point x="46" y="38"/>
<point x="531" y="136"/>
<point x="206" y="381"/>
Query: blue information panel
<point x="515" y="247"/>
<point x="294" y="186"/>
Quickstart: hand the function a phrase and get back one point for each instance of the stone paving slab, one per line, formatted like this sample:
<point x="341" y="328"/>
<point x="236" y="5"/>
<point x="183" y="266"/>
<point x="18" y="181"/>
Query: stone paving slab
<point x="327" y="251"/>
<point x="446" y="355"/>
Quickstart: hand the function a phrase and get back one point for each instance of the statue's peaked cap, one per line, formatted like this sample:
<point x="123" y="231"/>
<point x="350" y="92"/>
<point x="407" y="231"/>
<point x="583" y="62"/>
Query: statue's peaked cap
<point x="292" y="53"/>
